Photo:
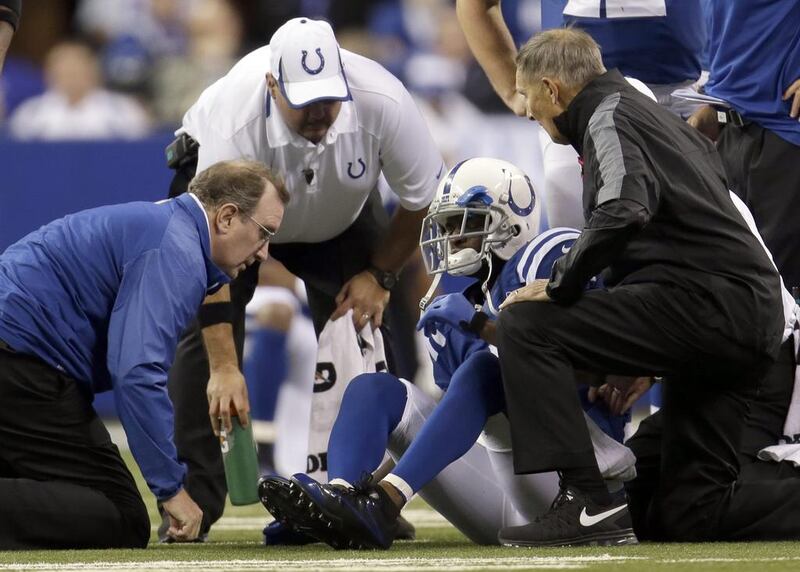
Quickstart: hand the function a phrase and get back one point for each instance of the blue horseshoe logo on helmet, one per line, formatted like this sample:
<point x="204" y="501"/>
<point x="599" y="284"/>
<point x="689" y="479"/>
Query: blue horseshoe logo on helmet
<point x="515" y="208"/>
<point x="350" y="169"/>
<point x="321" y="62"/>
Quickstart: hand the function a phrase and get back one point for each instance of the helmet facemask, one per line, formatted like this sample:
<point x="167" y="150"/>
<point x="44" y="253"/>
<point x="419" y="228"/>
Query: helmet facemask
<point x="446" y="229"/>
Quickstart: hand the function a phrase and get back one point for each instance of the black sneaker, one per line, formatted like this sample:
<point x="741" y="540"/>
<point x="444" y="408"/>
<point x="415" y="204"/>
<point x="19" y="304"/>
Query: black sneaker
<point x="575" y="520"/>
<point x="361" y="517"/>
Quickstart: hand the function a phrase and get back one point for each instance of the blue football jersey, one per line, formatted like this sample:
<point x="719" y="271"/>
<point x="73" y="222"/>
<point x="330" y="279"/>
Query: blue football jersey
<point x="449" y="347"/>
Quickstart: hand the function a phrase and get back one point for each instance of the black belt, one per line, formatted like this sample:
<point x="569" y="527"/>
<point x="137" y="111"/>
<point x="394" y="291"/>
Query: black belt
<point x="5" y="347"/>
<point x="731" y="116"/>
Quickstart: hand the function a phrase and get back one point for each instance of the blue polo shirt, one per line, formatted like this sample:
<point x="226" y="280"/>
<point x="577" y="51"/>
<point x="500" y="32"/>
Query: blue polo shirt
<point x="103" y="295"/>
<point x="755" y="56"/>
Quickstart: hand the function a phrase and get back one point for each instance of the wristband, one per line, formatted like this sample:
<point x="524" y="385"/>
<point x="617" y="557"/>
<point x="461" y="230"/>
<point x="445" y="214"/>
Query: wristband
<point x="215" y="313"/>
<point x="476" y="324"/>
<point x="10" y="11"/>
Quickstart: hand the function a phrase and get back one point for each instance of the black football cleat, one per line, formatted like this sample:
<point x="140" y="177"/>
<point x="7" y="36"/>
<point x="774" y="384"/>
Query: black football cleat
<point x="363" y="517"/>
<point x="575" y="520"/>
<point x="272" y="490"/>
<point x="281" y="533"/>
<point x="405" y="530"/>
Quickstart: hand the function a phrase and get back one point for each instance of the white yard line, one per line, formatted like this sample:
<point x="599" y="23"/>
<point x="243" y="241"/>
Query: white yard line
<point x="383" y="564"/>
<point x="421" y="517"/>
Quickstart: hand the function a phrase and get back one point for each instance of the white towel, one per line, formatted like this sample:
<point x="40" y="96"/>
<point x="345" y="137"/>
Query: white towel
<point x="788" y="447"/>
<point x="342" y="355"/>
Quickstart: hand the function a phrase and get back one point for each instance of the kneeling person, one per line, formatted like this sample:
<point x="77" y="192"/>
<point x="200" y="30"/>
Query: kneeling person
<point x="94" y="302"/>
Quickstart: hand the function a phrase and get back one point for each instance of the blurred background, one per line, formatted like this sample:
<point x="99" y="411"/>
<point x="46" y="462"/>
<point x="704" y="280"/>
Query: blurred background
<point x="93" y="89"/>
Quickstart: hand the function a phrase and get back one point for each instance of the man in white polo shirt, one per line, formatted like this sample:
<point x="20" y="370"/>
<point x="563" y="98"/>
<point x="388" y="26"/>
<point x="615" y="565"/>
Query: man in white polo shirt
<point x="330" y="122"/>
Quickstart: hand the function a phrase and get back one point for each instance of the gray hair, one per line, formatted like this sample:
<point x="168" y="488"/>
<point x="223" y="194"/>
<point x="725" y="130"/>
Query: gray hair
<point x="240" y="182"/>
<point x="567" y="54"/>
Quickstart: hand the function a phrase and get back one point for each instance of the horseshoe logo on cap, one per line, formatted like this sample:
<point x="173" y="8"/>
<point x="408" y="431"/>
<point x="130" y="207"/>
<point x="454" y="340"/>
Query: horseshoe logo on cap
<point x="321" y="62"/>
<point x="350" y="169"/>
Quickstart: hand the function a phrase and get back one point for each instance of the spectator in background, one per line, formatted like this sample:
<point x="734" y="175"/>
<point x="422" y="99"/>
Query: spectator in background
<point x="755" y="67"/>
<point x="214" y="41"/>
<point x="75" y="105"/>
<point x="9" y="20"/>
<point x="159" y="25"/>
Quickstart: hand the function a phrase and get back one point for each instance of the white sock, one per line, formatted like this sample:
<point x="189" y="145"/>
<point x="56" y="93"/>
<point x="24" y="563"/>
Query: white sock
<point x="341" y="483"/>
<point x="403" y="487"/>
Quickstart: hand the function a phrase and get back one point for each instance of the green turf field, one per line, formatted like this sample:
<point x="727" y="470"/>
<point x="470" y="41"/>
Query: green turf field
<point x="235" y="544"/>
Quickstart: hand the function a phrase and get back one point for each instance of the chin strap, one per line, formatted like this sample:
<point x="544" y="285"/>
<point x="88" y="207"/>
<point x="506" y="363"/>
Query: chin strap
<point x="429" y="294"/>
<point x="485" y="288"/>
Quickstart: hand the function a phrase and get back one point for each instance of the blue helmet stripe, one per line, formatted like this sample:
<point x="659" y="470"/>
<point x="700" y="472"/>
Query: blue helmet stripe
<point x="449" y="181"/>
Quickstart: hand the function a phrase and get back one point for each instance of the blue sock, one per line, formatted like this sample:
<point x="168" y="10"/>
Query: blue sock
<point x="475" y="394"/>
<point x="264" y="370"/>
<point x="372" y="407"/>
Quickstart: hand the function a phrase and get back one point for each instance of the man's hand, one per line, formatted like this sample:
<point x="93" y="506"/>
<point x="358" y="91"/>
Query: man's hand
<point x="185" y="517"/>
<point x="452" y="309"/>
<point x="620" y="392"/>
<point x="226" y="388"/>
<point x="366" y="297"/>
<point x="532" y="292"/>
<point x="794" y="91"/>
<point x="705" y="121"/>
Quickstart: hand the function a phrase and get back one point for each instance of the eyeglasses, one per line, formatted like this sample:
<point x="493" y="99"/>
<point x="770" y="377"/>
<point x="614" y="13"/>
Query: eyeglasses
<point x="266" y="234"/>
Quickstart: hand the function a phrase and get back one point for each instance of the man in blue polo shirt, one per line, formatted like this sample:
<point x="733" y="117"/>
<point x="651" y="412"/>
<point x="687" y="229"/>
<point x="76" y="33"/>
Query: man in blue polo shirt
<point x="88" y="303"/>
<point x="755" y="67"/>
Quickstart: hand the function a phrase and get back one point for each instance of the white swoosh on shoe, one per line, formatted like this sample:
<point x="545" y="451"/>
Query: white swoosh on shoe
<point x="591" y="520"/>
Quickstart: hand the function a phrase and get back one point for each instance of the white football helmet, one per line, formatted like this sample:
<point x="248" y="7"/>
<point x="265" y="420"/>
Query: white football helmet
<point x="481" y="197"/>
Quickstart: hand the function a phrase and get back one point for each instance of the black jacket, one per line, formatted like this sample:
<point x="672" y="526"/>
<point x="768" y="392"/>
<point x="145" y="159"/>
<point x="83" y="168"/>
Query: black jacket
<point x="658" y="210"/>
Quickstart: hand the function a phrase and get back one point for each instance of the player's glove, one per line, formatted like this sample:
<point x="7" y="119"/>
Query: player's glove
<point x="454" y="310"/>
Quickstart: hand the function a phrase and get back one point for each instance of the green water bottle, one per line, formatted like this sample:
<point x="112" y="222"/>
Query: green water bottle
<point x="241" y="462"/>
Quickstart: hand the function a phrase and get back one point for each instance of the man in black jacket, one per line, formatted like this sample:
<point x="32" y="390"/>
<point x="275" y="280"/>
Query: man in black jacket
<point x="690" y="294"/>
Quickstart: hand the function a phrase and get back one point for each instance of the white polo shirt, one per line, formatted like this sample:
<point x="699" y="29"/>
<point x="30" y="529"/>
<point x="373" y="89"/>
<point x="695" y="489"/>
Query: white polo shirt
<point x="381" y="129"/>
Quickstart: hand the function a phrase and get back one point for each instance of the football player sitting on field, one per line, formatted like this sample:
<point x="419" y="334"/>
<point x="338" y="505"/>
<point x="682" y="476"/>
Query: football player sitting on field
<point x="483" y="222"/>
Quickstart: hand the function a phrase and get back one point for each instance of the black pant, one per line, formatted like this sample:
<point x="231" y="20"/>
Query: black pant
<point x="741" y="499"/>
<point x="324" y="267"/>
<point x="639" y="329"/>
<point x="63" y="483"/>
<point x="764" y="170"/>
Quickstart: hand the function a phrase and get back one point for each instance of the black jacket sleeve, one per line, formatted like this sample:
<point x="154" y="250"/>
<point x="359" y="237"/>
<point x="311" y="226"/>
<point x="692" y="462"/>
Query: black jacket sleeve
<point x="626" y="196"/>
<point x="607" y="233"/>
<point x="10" y="11"/>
